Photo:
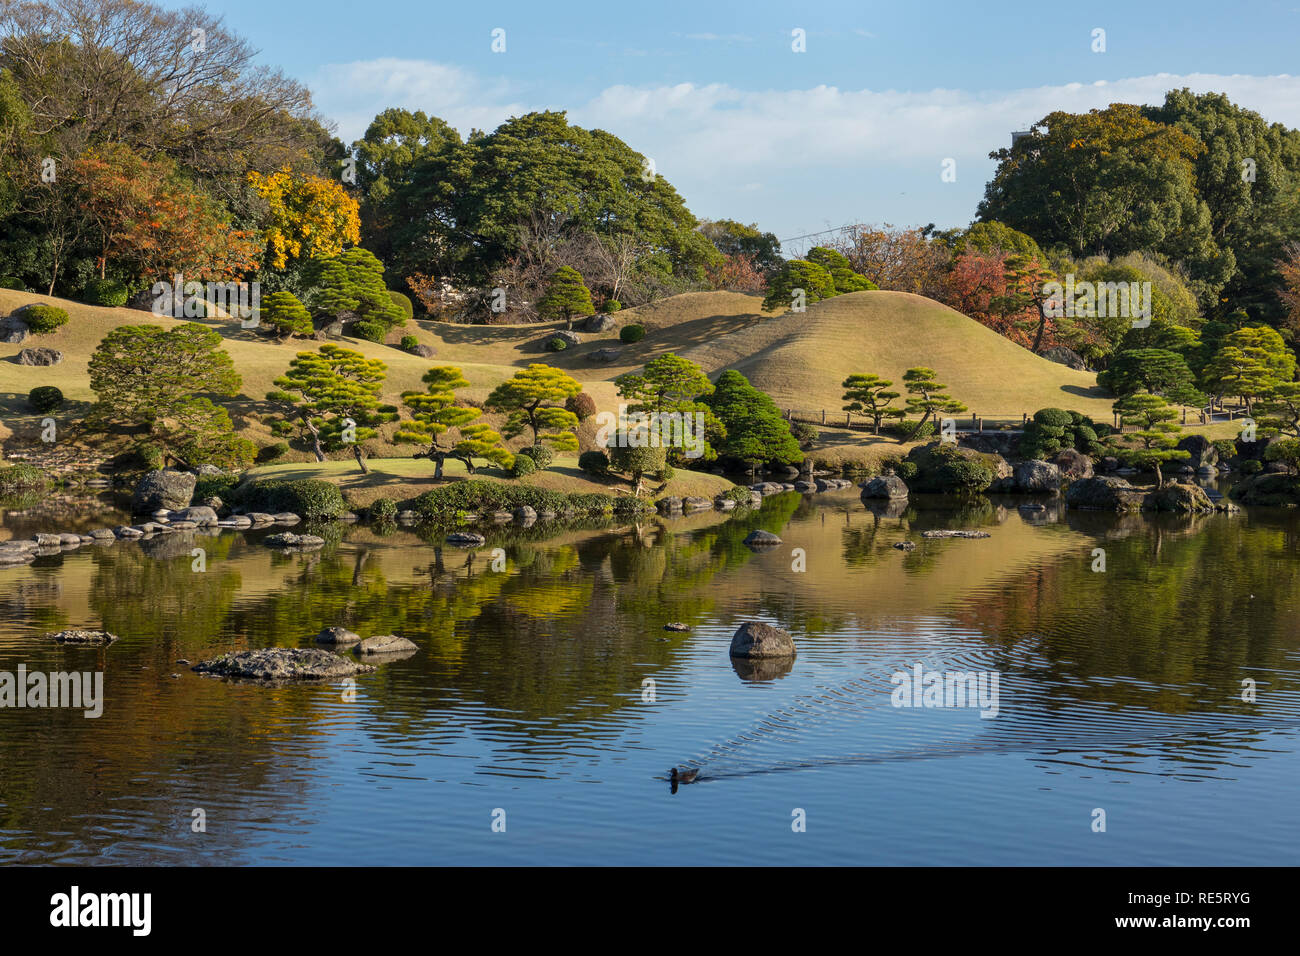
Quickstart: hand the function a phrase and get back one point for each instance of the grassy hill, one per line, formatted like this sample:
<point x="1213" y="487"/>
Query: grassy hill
<point x="799" y="359"/>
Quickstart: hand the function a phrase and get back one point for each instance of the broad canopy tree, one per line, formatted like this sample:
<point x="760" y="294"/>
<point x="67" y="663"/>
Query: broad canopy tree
<point x="436" y="410"/>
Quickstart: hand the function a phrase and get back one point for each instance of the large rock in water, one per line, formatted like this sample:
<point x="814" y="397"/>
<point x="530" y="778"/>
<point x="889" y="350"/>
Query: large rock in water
<point x="166" y="489"/>
<point x="761" y="539"/>
<point x="1201" y="449"/>
<point x="282" y="664"/>
<point x="884" y="486"/>
<point x="1180" y="498"/>
<point x="40" y="356"/>
<point x="385" y="644"/>
<point x="1034" y="477"/>
<point x="1102" y="493"/>
<point x="756" y="639"/>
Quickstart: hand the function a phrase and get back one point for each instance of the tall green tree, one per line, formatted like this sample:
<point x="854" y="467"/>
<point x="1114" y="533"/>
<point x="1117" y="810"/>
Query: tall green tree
<point x="534" y="399"/>
<point x="841" y="272"/>
<point x="351" y="286"/>
<point x="141" y="372"/>
<point x="566" y="296"/>
<point x="1158" y="371"/>
<point x="672" y="385"/>
<point x="755" y="430"/>
<point x="1249" y="362"/>
<point x="798" y="278"/>
<point x="331" y="397"/>
<point x="435" y="411"/>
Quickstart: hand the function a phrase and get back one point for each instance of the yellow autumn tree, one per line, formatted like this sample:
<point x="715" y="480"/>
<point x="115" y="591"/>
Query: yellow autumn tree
<point x="308" y="216"/>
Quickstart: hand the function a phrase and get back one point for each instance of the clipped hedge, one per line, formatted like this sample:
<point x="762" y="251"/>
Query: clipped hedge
<point x="523" y="466"/>
<point x="594" y="462"/>
<point x="631" y="333"/>
<point x="108" y="292"/>
<point x="443" y="504"/>
<point x="215" y="486"/>
<point x="9" y="282"/>
<point x="370" y="330"/>
<point x="542" y="455"/>
<point x="403" y="302"/>
<point x="306" y="497"/>
<point x="41" y="319"/>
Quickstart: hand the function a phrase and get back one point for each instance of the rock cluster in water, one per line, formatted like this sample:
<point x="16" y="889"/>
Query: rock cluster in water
<point x="282" y="664"/>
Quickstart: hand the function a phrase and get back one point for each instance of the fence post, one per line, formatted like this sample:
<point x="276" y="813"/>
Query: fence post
<point x="823" y="416"/>
<point x="847" y="416"/>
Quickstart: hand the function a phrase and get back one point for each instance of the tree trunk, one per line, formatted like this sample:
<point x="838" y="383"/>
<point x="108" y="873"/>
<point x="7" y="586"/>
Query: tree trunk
<point x="1160" y="478"/>
<point x="361" y="461"/>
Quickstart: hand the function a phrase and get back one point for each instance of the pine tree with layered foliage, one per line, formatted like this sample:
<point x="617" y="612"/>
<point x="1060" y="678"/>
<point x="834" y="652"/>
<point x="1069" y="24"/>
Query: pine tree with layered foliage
<point x="755" y="430"/>
<point x="928" y="398"/>
<point x="1156" y="437"/>
<point x="534" y="399"/>
<point x="331" y="398"/>
<point x="435" y="411"/>
<point x="869" y="395"/>
<point x="566" y="296"/>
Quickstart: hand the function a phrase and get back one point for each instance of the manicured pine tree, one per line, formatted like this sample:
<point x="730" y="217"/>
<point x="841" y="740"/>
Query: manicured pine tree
<point x="927" y="397"/>
<point x="285" y="315"/>
<point x="1156" y="436"/>
<point x="669" y="385"/>
<point x="755" y="430"/>
<point x="869" y="395"/>
<point x="434" y="411"/>
<point x="841" y="270"/>
<point x="323" y="389"/>
<point x="534" y="399"/>
<point x="566" y="296"/>
<point x="798" y="274"/>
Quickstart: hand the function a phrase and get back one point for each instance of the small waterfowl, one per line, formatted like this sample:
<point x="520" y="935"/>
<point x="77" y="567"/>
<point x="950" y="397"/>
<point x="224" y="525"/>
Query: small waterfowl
<point x="683" y="776"/>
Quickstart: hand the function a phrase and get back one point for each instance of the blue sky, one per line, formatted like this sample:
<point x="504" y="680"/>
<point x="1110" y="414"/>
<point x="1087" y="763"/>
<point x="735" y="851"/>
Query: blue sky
<point x="855" y="129"/>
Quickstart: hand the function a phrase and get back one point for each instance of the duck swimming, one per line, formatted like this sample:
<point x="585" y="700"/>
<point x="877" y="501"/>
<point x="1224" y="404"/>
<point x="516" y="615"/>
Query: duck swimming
<point x="682" y="776"/>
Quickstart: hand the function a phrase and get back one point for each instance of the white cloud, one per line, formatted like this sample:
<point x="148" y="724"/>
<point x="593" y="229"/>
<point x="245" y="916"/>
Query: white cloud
<point x="879" y="148"/>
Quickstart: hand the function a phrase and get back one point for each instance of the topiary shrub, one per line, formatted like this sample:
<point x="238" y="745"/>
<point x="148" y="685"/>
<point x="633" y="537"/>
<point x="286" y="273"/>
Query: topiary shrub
<point x="666" y="473"/>
<point x="272" y="452"/>
<point x="542" y="455"/>
<point x="582" y="405"/>
<point x="104" y="292"/>
<point x="45" y="398"/>
<point x="556" y="344"/>
<point x="523" y="466"/>
<point x="9" y="282"/>
<point x="613" y="305"/>
<point x="1251" y="466"/>
<point x="594" y="463"/>
<point x="403" y="302"/>
<point x="41" y="319"/>
<point x="22" y="476"/>
<point x="409" y="342"/>
<point x="385" y="509"/>
<point x="306" y="497"/>
<point x="1053" y="429"/>
<point x="370" y="331"/>
<point x="631" y="333"/>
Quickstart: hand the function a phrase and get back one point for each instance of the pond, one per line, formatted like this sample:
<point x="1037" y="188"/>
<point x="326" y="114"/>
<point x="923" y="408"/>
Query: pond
<point x="537" y="721"/>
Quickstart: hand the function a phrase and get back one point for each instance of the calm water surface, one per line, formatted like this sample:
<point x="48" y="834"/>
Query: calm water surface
<point x="1119" y="690"/>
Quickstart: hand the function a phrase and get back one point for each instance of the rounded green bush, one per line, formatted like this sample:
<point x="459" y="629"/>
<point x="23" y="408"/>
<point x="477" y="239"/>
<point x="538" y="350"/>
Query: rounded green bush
<point x="613" y="305"/>
<point x="523" y="466"/>
<point x="1053" y="417"/>
<point x="41" y="319"/>
<point x="385" y="509"/>
<point x="556" y="344"/>
<point x="403" y="302"/>
<point x="216" y="486"/>
<point x="370" y="331"/>
<point x="9" y="282"/>
<point x="594" y="462"/>
<point x="45" y="398"/>
<point x="631" y="333"/>
<point x="542" y="455"/>
<point x="104" y="292"/>
<point x="305" y="497"/>
<point x="409" y="342"/>
<point x="1251" y="466"/>
<point x="666" y="473"/>
<point x="272" y="452"/>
